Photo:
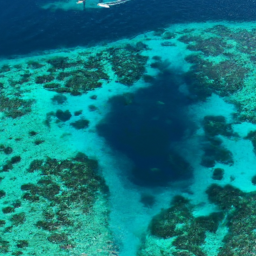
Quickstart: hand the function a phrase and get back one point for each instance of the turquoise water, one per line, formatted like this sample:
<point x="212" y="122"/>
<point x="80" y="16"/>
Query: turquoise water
<point x="142" y="146"/>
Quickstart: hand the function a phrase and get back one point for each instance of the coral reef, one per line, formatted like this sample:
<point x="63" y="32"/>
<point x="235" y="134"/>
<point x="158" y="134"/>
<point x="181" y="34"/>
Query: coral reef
<point x="66" y="191"/>
<point x="59" y="99"/>
<point x="128" y="64"/>
<point x="6" y="150"/>
<point x="15" y="107"/>
<point x="225" y="197"/>
<point x="252" y="137"/>
<point x="216" y="153"/>
<point x="223" y="78"/>
<point x="84" y="76"/>
<point x="188" y="232"/>
<point x="223" y="62"/>
<point x="212" y="46"/>
<point x="63" y="115"/>
<point x="44" y="79"/>
<point x="78" y="112"/>
<point x="80" y="124"/>
<point x="218" y="174"/>
<point x="34" y="64"/>
<point x="61" y="63"/>
<point x="216" y="125"/>
<point x="240" y="209"/>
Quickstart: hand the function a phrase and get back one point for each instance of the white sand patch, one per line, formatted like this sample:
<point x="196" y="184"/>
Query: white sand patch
<point x="244" y="128"/>
<point x="214" y="241"/>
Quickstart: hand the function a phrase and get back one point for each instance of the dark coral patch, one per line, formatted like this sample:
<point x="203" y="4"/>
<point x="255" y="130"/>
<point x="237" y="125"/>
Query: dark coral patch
<point x="7" y="167"/>
<point x="22" y="243"/>
<point x="164" y="224"/>
<point x="216" y="125"/>
<point x="2" y="223"/>
<point x="52" y="86"/>
<point x="212" y="46"/>
<point x="216" y="153"/>
<point x="8" y="209"/>
<point x="218" y="174"/>
<point x="38" y="141"/>
<point x="59" y="99"/>
<point x="32" y="133"/>
<point x="252" y="137"/>
<point x="8" y="150"/>
<point x="4" y="246"/>
<point x="178" y="221"/>
<point x="15" y="159"/>
<point x="239" y="208"/>
<point x="127" y="64"/>
<point x="18" y="219"/>
<point x="58" y="238"/>
<point x="34" y="64"/>
<point x="254" y="180"/>
<point x="2" y="193"/>
<point x="62" y="63"/>
<point x="223" y="78"/>
<point x="35" y="165"/>
<point x="63" y="115"/>
<point x="15" y="107"/>
<point x="44" y="79"/>
<point x="225" y="197"/>
<point x="80" y="124"/>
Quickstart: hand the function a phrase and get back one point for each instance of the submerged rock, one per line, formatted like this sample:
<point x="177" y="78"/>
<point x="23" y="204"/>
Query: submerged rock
<point x="63" y="115"/>
<point x="80" y="124"/>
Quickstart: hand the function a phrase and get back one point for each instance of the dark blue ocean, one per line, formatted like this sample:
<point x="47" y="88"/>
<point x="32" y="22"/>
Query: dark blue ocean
<point x="26" y="28"/>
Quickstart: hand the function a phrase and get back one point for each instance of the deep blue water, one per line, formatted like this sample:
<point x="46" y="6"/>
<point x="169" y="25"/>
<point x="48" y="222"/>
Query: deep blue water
<point x="26" y="28"/>
<point x="146" y="127"/>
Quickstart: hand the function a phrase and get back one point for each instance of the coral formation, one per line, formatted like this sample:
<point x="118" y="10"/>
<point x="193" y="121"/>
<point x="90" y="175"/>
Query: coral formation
<point x="44" y="79"/>
<point x="65" y="188"/>
<point x="252" y="137"/>
<point x="34" y="64"/>
<point x="128" y="64"/>
<point x="6" y="150"/>
<point x="240" y="208"/>
<point x="15" y="107"/>
<point x="216" y="153"/>
<point x="80" y="124"/>
<point x="254" y="180"/>
<point x="59" y="99"/>
<point x="2" y="193"/>
<point x="223" y="62"/>
<point x="78" y="112"/>
<point x="63" y="115"/>
<point x="218" y="174"/>
<point x="224" y="78"/>
<point x="216" y="125"/>
<point x="212" y="46"/>
<point x="188" y="232"/>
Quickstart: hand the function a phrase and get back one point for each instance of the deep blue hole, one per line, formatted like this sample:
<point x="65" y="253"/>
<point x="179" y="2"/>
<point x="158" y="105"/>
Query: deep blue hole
<point x="146" y="129"/>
